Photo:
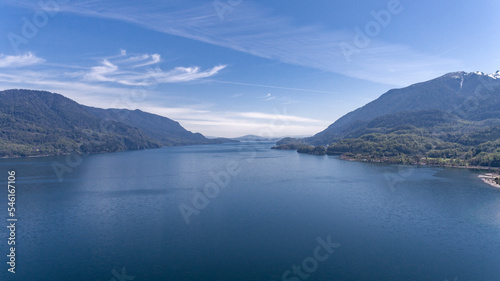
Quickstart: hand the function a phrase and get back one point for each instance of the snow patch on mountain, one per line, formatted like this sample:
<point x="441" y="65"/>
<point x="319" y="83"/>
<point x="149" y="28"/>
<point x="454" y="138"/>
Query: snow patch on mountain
<point x="495" y="75"/>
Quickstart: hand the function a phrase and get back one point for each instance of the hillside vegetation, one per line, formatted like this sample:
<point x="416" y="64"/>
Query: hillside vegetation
<point x="34" y="123"/>
<point x="451" y="120"/>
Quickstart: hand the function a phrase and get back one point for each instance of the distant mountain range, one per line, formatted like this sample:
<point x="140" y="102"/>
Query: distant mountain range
<point x="42" y="123"/>
<point x="255" y="138"/>
<point x="453" y="119"/>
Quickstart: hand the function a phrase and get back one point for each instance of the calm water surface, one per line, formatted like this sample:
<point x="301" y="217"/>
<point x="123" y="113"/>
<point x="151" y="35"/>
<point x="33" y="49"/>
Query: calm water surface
<point x="120" y="211"/>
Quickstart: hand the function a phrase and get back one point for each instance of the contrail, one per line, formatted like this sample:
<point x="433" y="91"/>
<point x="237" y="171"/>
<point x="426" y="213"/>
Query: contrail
<point x="274" y="87"/>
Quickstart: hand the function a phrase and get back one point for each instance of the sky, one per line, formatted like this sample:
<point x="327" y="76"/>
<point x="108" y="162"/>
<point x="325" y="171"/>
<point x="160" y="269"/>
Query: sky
<point x="228" y="68"/>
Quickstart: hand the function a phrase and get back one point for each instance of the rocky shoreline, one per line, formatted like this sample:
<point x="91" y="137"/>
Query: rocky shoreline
<point x="491" y="179"/>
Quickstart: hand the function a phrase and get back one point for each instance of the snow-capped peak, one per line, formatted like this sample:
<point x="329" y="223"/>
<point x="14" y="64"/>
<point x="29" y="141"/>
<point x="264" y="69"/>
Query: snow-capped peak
<point x="495" y="75"/>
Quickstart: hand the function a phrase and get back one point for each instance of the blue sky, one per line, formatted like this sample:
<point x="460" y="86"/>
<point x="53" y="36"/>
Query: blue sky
<point x="234" y="67"/>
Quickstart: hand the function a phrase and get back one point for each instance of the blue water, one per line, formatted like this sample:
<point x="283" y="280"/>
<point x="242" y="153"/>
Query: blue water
<point x="120" y="211"/>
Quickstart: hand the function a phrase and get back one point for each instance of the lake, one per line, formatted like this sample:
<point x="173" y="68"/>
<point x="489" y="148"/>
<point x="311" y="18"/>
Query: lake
<point x="246" y="212"/>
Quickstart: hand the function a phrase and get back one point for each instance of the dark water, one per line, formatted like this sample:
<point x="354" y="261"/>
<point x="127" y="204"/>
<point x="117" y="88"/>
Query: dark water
<point x="120" y="211"/>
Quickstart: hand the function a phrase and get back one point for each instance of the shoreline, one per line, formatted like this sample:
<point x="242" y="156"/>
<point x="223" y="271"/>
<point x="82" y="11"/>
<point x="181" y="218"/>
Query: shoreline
<point x="492" y="169"/>
<point x="490" y="179"/>
<point x="104" y="152"/>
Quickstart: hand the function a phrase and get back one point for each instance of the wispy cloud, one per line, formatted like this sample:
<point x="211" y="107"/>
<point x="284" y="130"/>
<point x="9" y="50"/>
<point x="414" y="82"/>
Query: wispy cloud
<point x="281" y="100"/>
<point x="137" y="71"/>
<point x="153" y="59"/>
<point x="233" y="124"/>
<point x="19" y="60"/>
<point x="272" y="87"/>
<point x="267" y="116"/>
<point x="255" y="30"/>
<point x="124" y="70"/>
<point x="100" y="73"/>
<point x="268" y="97"/>
<point x="99" y="85"/>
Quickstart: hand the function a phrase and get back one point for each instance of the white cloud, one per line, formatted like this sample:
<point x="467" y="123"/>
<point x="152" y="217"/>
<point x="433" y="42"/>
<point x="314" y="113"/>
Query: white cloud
<point x="277" y="116"/>
<point x="134" y="71"/>
<point x="155" y="58"/>
<point x="268" y="97"/>
<point x="100" y="73"/>
<point x="234" y="124"/>
<point x="185" y="74"/>
<point x="19" y="61"/>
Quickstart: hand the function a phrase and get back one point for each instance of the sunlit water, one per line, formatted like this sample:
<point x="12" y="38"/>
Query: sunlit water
<point x="118" y="214"/>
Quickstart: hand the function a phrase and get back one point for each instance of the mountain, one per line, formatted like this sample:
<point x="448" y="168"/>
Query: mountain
<point x="455" y="143"/>
<point x="453" y="120"/>
<point x="162" y="129"/>
<point x="255" y="138"/>
<point x="470" y="96"/>
<point x="42" y="123"/>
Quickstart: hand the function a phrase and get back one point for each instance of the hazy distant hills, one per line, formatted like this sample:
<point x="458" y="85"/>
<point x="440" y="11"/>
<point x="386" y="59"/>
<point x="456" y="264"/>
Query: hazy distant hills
<point x="450" y="120"/>
<point x="43" y="123"/>
<point x="255" y="138"/>
<point x="470" y="96"/>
